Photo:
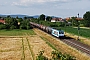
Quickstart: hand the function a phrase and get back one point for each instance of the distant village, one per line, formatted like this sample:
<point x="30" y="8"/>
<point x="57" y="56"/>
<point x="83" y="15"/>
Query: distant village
<point x="55" y="19"/>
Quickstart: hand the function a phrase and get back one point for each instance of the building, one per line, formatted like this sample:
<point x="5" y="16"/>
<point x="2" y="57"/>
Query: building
<point x="2" y="21"/>
<point x="57" y="20"/>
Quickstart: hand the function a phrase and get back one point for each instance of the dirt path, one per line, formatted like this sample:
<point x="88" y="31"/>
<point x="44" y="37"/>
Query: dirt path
<point x="62" y="46"/>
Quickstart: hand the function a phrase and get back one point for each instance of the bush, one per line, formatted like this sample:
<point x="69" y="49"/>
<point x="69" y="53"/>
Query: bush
<point x="41" y="57"/>
<point x="2" y="26"/>
<point x="13" y="27"/>
<point x="55" y="56"/>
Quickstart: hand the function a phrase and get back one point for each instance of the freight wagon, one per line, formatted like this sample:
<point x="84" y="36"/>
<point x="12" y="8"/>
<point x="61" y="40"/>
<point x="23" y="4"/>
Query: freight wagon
<point x="52" y="31"/>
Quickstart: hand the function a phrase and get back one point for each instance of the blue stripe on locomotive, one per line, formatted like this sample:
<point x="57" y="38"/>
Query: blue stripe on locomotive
<point x="55" y="32"/>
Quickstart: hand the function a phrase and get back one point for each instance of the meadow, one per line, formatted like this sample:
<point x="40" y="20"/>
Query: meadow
<point x="16" y="32"/>
<point x="82" y="32"/>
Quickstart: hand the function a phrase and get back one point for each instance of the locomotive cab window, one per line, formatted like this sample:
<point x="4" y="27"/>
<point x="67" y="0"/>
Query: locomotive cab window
<point x="61" y="32"/>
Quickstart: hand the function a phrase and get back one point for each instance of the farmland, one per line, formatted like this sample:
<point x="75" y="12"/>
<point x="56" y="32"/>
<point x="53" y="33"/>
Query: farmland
<point x="23" y="47"/>
<point x="27" y="45"/>
<point x="16" y="32"/>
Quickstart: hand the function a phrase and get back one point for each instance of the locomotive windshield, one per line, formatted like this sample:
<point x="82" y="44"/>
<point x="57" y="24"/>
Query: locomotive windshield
<point x="61" y="32"/>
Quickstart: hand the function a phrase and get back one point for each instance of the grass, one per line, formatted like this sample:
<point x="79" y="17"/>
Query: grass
<point x="30" y="49"/>
<point x="23" y="53"/>
<point x="83" y="32"/>
<point x="16" y="32"/>
<point x="64" y="48"/>
<point x="50" y="44"/>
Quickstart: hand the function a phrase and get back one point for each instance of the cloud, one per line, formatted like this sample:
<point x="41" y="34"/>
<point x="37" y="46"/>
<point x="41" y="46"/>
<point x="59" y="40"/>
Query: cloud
<point x="39" y="1"/>
<point x="49" y="4"/>
<point x="27" y="3"/>
<point x="3" y="4"/>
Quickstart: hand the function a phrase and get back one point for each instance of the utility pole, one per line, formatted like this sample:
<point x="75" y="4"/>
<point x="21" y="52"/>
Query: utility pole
<point x="78" y="26"/>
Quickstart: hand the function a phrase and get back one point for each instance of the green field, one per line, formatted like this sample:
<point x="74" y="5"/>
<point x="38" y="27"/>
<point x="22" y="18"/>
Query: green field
<point x="16" y="32"/>
<point x="82" y="32"/>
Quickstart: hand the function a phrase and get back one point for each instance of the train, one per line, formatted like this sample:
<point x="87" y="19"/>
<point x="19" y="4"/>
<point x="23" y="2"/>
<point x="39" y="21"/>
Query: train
<point x="50" y="30"/>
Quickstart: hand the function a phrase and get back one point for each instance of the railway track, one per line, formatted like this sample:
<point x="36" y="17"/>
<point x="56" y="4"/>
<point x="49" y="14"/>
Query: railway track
<point x="69" y="41"/>
<point x="76" y="44"/>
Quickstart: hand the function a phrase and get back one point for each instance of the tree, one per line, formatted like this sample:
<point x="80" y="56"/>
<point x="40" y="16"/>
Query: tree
<point x="16" y="17"/>
<point x="0" y="17"/>
<point x="25" y="24"/>
<point x="74" y="21"/>
<point x="48" y="18"/>
<point x="11" y="23"/>
<point x="8" y="16"/>
<point x="2" y="26"/>
<point x="42" y="17"/>
<point x="86" y="20"/>
<point x="20" y="20"/>
<point x="25" y="18"/>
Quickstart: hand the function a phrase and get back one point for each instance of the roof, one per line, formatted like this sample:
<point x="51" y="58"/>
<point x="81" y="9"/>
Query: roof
<point x="56" y="19"/>
<point x="2" y="21"/>
<point x="79" y="18"/>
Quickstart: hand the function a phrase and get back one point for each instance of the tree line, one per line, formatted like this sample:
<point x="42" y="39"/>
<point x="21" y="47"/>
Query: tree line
<point x="23" y="23"/>
<point x="73" y="21"/>
<point x="15" y="23"/>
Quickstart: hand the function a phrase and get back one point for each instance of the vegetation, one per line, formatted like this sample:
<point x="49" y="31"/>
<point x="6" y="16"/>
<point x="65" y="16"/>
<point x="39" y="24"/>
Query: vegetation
<point x="2" y="26"/>
<point x="15" y="23"/>
<point x="86" y="17"/>
<point x="16" y="32"/>
<point x="83" y="32"/>
<point x="30" y="49"/>
<point x="42" y="17"/>
<point x="25" y="25"/>
<point x="48" y="18"/>
<point x="55" y="56"/>
<point x="41" y="57"/>
<point x="74" y="21"/>
<point x="11" y="23"/>
<point x="19" y="23"/>
<point x="67" y="26"/>
<point x="23" y="53"/>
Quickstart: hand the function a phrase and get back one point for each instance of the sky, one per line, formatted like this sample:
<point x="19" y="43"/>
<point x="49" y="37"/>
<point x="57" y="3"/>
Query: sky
<point x="59" y="8"/>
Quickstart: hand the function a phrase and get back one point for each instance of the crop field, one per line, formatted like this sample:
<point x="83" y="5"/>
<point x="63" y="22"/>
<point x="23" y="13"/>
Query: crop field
<point x="24" y="47"/>
<point x="28" y="44"/>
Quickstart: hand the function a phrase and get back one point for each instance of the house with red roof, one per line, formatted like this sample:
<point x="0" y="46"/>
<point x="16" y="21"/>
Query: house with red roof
<point x="57" y="20"/>
<point x="2" y="21"/>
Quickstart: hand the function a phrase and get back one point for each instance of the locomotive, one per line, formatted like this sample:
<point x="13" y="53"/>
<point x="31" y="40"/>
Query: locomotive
<point x="50" y="30"/>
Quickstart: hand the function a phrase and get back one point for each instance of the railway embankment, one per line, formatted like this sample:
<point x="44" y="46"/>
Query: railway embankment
<point x="61" y="46"/>
<point x="81" y="39"/>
